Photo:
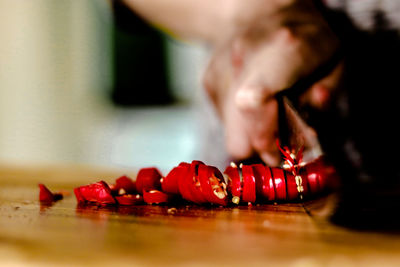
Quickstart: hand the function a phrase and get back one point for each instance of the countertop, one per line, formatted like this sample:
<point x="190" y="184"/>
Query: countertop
<point x="65" y="234"/>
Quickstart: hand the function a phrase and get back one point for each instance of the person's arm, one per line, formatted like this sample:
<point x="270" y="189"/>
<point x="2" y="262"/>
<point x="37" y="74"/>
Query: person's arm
<point x="206" y="20"/>
<point x="188" y="19"/>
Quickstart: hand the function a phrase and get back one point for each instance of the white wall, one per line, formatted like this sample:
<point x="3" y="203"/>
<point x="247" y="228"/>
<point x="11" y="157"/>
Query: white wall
<point x="53" y="61"/>
<point x="55" y="73"/>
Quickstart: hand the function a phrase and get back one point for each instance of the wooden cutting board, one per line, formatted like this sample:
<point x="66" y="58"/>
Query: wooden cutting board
<point x="260" y="235"/>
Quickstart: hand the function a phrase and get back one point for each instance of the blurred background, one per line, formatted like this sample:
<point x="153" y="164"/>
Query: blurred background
<point x="86" y="82"/>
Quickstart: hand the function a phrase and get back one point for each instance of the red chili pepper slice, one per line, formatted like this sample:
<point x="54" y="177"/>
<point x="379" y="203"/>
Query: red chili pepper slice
<point x="249" y="184"/>
<point x="129" y="199"/>
<point x="170" y="183"/>
<point x="234" y="183"/>
<point x="98" y="192"/>
<point x="156" y="197"/>
<point x="323" y="171"/>
<point x="78" y="195"/>
<point x="45" y="195"/>
<point x="194" y="185"/>
<point x="148" y="179"/>
<point x="183" y="183"/>
<point x="213" y="185"/>
<point x="292" y="191"/>
<point x="262" y="175"/>
<point x="311" y="177"/>
<point x="125" y="183"/>
<point x="279" y="183"/>
<point x="184" y="164"/>
<point x="269" y="184"/>
<point x="197" y="162"/>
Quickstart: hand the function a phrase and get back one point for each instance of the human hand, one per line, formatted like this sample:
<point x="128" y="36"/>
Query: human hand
<point x="273" y="47"/>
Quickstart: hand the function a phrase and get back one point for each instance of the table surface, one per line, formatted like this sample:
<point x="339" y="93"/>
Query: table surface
<point x="187" y="235"/>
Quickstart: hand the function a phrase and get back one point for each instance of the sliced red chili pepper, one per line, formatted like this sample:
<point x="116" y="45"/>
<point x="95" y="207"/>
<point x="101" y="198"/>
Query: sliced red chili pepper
<point x="262" y="175"/>
<point x="197" y="162"/>
<point x="125" y="183"/>
<point x="183" y="183"/>
<point x="170" y="183"/>
<point x="269" y="183"/>
<point x="292" y="191"/>
<point x="156" y="197"/>
<point x="78" y="195"/>
<point x="249" y="184"/>
<point x="234" y="183"/>
<point x="280" y="183"/>
<point x="194" y="185"/>
<point x="129" y="199"/>
<point x="213" y="185"/>
<point x="148" y="179"/>
<point x="45" y="195"/>
<point x="98" y="192"/>
<point x="309" y="175"/>
<point x="184" y="164"/>
<point x="325" y="173"/>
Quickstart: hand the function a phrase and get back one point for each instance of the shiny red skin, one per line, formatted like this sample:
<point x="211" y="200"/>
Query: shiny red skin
<point x="126" y="183"/>
<point x="279" y="183"/>
<point x="320" y="175"/>
<point x="183" y="183"/>
<point x="249" y="184"/>
<point x="98" y="192"/>
<point x="193" y="179"/>
<point x="78" y="195"/>
<point x="148" y="179"/>
<point x="292" y="192"/>
<point x="170" y="183"/>
<point x="129" y="199"/>
<point x="269" y="184"/>
<point x="184" y="164"/>
<point x="156" y="197"/>
<point x="262" y="175"/>
<point x="234" y="183"/>
<point x="312" y="177"/>
<point x="204" y="174"/>
<point x="45" y="195"/>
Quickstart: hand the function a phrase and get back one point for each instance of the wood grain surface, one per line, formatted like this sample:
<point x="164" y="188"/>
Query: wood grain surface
<point x="66" y="234"/>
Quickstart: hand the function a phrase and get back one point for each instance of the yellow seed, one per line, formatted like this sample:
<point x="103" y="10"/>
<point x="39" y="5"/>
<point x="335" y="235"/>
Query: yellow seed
<point x="121" y="191"/>
<point x="236" y="200"/>
<point x="300" y="188"/>
<point x="220" y="195"/>
<point x="286" y="166"/>
<point x="298" y="179"/>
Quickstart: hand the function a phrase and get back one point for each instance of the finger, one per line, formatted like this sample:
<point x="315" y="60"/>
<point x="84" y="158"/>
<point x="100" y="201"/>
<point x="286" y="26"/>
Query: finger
<point x="218" y="80"/>
<point x="261" y="127"/>
<point x="266" y="73"/>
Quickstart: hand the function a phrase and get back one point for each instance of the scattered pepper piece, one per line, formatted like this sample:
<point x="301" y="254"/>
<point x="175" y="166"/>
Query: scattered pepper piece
<point x="45" y="195"/>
